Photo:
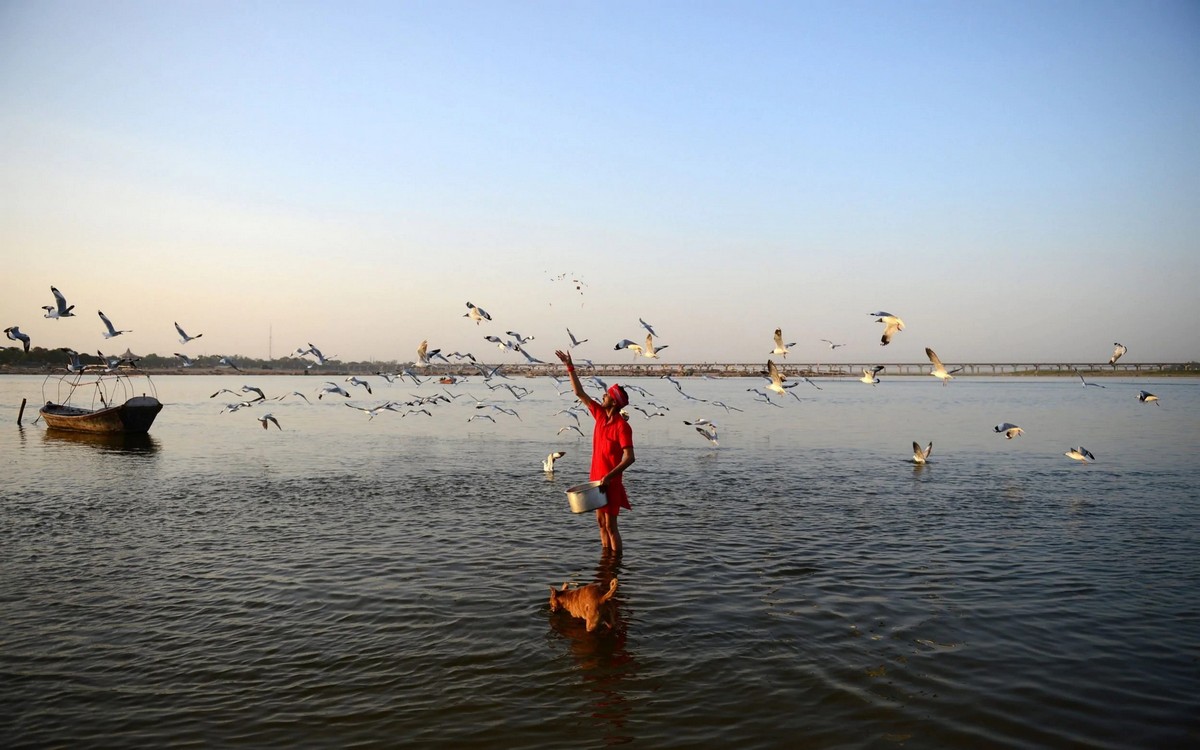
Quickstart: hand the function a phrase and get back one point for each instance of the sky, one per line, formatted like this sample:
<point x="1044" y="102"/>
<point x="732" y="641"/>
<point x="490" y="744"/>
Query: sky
<point x="1018" y="181"/>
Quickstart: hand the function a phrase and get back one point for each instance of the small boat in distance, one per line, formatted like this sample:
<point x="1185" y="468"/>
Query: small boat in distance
<point x="114" y="409"/>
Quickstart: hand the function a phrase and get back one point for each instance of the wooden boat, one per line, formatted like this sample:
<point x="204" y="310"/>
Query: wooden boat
<point x="133" y="415"/>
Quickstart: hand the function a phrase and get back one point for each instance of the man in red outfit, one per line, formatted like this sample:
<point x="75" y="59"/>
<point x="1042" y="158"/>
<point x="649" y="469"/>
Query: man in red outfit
<point x="612" y="453"/>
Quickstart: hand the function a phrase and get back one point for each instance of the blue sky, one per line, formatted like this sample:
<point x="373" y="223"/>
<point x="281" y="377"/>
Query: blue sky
<point x="1017" y="181"/>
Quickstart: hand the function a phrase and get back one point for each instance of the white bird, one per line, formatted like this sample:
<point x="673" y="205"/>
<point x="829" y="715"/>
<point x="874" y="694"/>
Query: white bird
<point x="75" y="365"/>
<point x="59" y="309"/>
<point x="920" y="455"/>
<point x="476" y="313"/>
<point x="939" y="370"/>
<point x="627" y="344"/>
<point x="293" y="393"/>
<point x="225" y="390"/>
<point x="574" y="341"/>
<point x="1117" y="353"/>
<point x="14" y="334"/>
<point x="649" y="328"/>
<point x="1146" y="397"/>
<point x="372" y="411"/>
<point x="1080" y="454"/>
<point x="252" y="389"/>
<point x="187" y="361"/>
<point x="777" y="379"/>
<point x="1086" y="383"/>
<point x="548" y="464"/>
<point x="183" y="337"/>
<point x="331" y="387"/>
<point x="1009" y="429"/>
<point x="780" y="347"/>
<point x="112" y="331"/>
<point x="710" y="434"/>
<point x="650" y="351"/>
<point x="891" y="324"/>
<point x="473" y="417"/>
<point x="869" y="375"/>
<point x="832" y="345"/>
<point x="354" y="380"/>
<point x="519" y="338"/>
<point x="561" y="430"/>
<point x="228" y="362"/>
<point x="264" y="419"/>
<point x="321" y="358"/>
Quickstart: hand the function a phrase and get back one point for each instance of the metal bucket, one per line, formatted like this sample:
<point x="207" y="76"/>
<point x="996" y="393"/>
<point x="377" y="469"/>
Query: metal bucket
<point x="586" y="496"/>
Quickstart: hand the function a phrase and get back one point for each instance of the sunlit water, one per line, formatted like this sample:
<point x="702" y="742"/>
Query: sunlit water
<point x="384" y="582"/>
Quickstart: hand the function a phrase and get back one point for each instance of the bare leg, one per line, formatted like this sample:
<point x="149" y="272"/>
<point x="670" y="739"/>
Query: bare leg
<point x="610" y="537"/>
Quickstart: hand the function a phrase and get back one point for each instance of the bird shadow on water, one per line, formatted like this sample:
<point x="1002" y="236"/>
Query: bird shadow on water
<point x="602" y="657"/>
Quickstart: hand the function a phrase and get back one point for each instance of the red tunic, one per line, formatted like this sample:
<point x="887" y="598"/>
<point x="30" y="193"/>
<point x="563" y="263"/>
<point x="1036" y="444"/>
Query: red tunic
<point x="609" y="441"/>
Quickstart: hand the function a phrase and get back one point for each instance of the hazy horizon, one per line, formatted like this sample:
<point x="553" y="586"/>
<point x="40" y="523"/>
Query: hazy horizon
<point x="1017" y="181"/>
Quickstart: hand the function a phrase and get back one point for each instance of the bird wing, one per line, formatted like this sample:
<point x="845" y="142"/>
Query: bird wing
<point x="933" y="357"/>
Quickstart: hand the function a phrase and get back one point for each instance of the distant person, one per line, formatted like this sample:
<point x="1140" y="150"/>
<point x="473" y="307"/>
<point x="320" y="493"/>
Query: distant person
<point x="612" y="453"/>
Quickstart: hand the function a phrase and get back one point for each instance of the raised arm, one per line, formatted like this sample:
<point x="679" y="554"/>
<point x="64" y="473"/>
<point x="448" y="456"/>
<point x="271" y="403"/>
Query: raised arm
<point x="575" y="384"/>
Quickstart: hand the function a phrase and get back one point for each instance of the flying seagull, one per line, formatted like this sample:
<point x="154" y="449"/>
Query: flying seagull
<point x="1009" y="429"/>
<point x="1144" y="396"/>
<point x="891" y="324"/>
<point x="228" y="362"/>
<point x="269" y="418"/>
<point x="183" y="337"/>
<point x="112" y="331"/>
<point x="476" y="313"/>
<point x="781" y="348"/>
<point x="650" y="350"/>
<point x="1086" y="383"/>
<point x="354" y="380"/>
<point x="832" y="345"/>
<point x="710" y="434"/>
<point x="187" y="361"/>
<point x="1118" y="351"/>
<point x="252" y="389"/>
<point x="1080" y="454"/>
<point x="14" y="334"/>
<point x="921" y="455"/>
<point x="627" y="344"/>
<point x="574" y="341"/>
<point x="331" y="387"/>
<point x="60" y="308"/>
<point x="939" y="370"/>
<point x="649" y="328"/>
<point x="777" y="379"/>
<point x="548" y="464"/>
<point x="869" y="375"/>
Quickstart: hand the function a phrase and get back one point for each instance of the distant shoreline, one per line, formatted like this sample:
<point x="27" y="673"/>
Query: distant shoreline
<point x="1182" y="369"/>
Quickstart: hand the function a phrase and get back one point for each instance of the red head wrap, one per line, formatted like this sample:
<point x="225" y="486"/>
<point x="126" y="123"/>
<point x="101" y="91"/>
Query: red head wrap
<point x="619" y="396"/>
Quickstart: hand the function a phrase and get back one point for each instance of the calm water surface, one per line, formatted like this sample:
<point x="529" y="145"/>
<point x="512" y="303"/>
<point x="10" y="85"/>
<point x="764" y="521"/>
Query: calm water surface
<point x="354" y="582"/>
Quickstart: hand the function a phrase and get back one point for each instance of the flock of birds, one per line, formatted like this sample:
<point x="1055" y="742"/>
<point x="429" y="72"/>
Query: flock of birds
<point x="491" y="375"/>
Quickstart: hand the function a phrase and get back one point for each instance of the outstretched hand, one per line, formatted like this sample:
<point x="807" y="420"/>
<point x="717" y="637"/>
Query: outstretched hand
<point x="564" y="356"/>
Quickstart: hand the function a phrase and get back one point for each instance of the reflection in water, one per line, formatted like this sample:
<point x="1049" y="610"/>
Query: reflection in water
<point x="602" y="657"/>
<point x="110" y="442"/>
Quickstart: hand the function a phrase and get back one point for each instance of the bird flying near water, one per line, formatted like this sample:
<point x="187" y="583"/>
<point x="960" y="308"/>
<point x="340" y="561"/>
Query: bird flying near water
<point x="183" y="337"/>
<point x="60" y="308"/>
<point x="939" y="370"/>
<point x="111" y="330"/>
<point x="891" y="325"/>
<point x="1118" y="352"/>
<point x="1009" y="429"/>
<point x="14" y="334"/>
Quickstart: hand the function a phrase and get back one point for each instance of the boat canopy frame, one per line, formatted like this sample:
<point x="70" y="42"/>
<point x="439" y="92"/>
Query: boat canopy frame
<point x="105" y="388"/>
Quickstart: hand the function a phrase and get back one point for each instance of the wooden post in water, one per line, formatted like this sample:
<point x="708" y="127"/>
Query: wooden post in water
<point x="21" y="413"/>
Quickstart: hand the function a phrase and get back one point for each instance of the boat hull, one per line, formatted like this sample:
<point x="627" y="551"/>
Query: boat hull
<point x="132" y="417"/>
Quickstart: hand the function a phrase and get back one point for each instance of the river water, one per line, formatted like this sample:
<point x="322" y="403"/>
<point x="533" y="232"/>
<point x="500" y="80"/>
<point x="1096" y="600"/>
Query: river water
<point x="346" y="581"/>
